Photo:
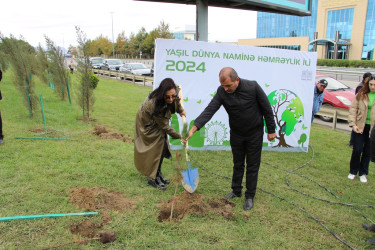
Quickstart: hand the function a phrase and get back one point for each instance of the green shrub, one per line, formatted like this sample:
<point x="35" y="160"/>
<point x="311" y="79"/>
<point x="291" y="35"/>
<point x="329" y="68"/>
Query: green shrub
<point x="94" y="80"/>
<point x="346" y="63"/>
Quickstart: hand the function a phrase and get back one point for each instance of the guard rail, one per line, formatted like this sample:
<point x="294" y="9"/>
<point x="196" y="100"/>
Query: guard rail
<point x="335" y="113"/>
<point x="341" y="73"/>
<point x="125" y="76"/>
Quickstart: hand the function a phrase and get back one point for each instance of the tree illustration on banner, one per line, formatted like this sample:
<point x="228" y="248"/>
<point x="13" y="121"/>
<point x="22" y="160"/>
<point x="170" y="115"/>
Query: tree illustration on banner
<point x="288" y="111"/>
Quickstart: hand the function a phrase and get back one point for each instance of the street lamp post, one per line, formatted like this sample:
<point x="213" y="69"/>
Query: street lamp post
<point x="113" y="41"/>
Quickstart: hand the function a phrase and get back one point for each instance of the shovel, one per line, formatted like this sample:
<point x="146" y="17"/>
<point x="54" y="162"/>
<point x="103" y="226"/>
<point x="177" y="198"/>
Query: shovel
<point x="190" y="177"/>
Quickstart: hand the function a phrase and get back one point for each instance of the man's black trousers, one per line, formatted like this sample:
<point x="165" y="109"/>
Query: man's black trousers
<point x="249" y="148"/>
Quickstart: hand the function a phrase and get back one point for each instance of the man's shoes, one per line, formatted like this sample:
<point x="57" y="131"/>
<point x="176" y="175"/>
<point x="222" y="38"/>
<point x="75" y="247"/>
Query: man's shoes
<point x="1" y="141"/>
<point x="351" y="176"/>
<point x="162" y="179"/>
<point x="363" y="178"/>
<point x="248" y="204"/>
<point x="231" y="196"/>
<point x="371" y="241"/>
<point x="156" y="184"/>
<point x="369" y="227"/>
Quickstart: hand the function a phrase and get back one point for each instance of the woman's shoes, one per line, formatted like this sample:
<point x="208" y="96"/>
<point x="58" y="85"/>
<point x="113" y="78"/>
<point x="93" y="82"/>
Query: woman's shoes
<point x="157" y="183"/>
<point x="162" y="179"/>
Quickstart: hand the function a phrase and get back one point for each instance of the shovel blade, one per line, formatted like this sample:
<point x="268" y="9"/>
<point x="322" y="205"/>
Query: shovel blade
<point x="190" y="179"/>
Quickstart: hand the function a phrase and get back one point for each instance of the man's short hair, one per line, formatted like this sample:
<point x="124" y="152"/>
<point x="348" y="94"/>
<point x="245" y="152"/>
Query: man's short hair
<point x="232" y="74"/>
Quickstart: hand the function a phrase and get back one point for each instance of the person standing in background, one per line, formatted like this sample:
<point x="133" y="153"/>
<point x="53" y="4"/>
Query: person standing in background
<point x="318" y="96"/>
<point x="362" y="119"/>
<point x="366" y="77"/>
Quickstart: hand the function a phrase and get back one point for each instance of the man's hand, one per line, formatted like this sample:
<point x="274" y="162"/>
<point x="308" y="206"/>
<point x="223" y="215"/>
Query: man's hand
<point x="272" y="136"/>
<point x="191" y="132"/>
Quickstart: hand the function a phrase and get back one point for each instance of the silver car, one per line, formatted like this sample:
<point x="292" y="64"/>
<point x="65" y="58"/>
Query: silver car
<point x="136" y="69"/>
<point x="96" y="62"/>
<point x="112" y="64"/>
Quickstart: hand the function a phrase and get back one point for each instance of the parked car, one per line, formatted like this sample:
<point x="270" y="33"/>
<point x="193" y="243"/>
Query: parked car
<point x="96" y="62"/>
<point x="136" y="69"/>
<point x="112" y="64"/>
<point x="336" y="94"/>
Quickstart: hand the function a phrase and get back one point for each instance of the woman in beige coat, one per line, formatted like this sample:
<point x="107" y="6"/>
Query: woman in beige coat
<point x="362" y="119"/>
<point x="151" y="130"/>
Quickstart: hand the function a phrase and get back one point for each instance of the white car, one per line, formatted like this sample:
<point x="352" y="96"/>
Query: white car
<point x="136" y="69"/>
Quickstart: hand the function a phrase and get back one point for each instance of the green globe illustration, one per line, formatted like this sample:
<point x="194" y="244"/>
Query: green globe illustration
<point x="288" y="111"/>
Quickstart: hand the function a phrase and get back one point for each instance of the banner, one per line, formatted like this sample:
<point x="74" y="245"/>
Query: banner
<point x="286" y="76"/>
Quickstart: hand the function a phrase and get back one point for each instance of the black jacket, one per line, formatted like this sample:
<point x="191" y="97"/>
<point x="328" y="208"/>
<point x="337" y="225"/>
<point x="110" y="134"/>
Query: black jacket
<point x="246" y="108"/>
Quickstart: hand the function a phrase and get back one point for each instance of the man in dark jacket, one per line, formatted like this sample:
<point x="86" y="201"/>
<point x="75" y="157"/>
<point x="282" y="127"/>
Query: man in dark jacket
<point x="246" y="105"/>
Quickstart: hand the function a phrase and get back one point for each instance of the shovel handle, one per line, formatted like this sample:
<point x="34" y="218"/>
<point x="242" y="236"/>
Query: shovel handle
<point x="183" y="118"/>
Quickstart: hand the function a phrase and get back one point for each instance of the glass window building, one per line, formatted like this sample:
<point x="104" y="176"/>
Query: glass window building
<point x="335" y="29"/>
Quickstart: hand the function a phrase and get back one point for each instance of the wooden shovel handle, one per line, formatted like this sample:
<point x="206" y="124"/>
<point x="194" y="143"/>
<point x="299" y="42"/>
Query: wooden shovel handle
<point x="183" y="117"/>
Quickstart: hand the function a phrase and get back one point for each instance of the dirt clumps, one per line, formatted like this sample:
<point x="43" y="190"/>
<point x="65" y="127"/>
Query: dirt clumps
<point x="89" y="229"/>
<point x="93" y="199"/>
<point x="86" y="228"/>
<point x="194" y="204"/>
<point x="103" y="133"/>
<point x="98" y="198"/>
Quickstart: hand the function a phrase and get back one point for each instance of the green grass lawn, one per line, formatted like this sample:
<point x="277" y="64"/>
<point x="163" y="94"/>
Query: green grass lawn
<point x="36" y="176"/>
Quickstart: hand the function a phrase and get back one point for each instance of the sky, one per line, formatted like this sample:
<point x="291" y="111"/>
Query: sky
<point x="57" y="20"/>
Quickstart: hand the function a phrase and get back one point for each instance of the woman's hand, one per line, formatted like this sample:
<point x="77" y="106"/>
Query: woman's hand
<point x="183" y="113"/>
<point x="356" y="129"/>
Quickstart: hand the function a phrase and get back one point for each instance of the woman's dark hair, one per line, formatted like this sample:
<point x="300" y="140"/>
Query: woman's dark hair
<point x="158" y="94"/>
<point x="365" y="75"/>
<point x="363" y="92"/>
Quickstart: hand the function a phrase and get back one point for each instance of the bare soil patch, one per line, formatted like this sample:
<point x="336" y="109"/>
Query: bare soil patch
<point x="194" y="204"/>
<point x="89" y="229"/>
<point x="93" y="199"/>
<point x="86" y="228"/>
<point x="99" y="198"/>
<point x="36" y="130"/>
<point x="102" y="132"/>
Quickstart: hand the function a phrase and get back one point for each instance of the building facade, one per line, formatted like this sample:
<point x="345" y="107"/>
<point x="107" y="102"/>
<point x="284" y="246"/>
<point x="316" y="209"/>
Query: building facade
<point x="341" y="29"/>
<point x="186" y="33"/>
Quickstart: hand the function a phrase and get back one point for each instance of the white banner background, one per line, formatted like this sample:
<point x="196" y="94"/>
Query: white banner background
<point x="286" y="76"/>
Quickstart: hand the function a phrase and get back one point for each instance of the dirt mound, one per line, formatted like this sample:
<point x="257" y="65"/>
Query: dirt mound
<point x="87" y="228"/>
<point x="102" y="132"/>
<point x="90" y="229"/>
<point x="187" y="203"/>
<point x="98" y="198"/>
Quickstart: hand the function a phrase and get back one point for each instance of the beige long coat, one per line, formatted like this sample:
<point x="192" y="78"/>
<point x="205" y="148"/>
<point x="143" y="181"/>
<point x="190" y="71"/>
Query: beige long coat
<point x="358" y="113"/>
<point x="150" y="135"/>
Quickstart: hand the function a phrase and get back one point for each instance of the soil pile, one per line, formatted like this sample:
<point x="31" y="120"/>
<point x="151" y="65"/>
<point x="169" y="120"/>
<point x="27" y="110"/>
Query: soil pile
<point x="187" y="203"/>
<point x="102" y="132"/>
<point x="90" y="229"/>
<point x="87" y="228"/>
<point x="98" y="198"/>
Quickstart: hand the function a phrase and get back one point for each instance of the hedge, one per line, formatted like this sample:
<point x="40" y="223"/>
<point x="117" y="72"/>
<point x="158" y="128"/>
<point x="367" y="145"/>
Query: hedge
<point x="346" y="63"/>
